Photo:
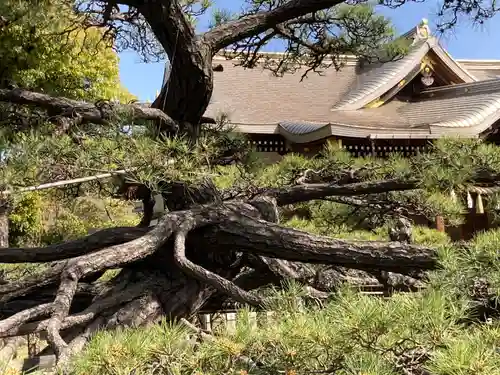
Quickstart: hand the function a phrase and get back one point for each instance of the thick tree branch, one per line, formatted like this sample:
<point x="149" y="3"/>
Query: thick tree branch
<point x="28" y="284"/>
<point x="191" y="64"/>
<point x="261" y="237"/>
<point x="307" y="192"/>
<point x="81" y="112"/>
<point x="110" y="237"/>
<point x="24" y="316"/>
<point x="234" y="31"/>
<point x="66" y="250"/>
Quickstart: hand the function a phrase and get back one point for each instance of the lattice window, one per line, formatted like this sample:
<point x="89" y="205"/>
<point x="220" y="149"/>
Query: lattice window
<point x="269" y="145"/>
<point x="384" y="150"/>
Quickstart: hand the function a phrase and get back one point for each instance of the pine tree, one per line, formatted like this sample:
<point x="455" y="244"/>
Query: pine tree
<point x="213" y="242"/>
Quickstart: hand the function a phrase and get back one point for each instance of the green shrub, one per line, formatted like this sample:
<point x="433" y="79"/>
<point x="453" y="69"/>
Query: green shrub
<point x="429" y="237"/>
<point x="471" y="353"/>
<point x="136" y="350"/>
<point x="353" y="334"/>
<point x="25" y="219"/>
<point x="39" y="218"/>
<point x="477" y="261"/>
<point x="86" y="213"/>
<point x="226" y="176"/>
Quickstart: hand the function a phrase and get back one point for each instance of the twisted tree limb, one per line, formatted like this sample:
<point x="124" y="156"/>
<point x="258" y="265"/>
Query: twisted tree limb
<point x="114" y="236"/>
<point x="78" y="112"/>
<point x="219" y="283"/>
<point x="221" y="228"/>
<point x="254" y="24"/>
<point x="25" y="315"/>
<point x="96" y="241"/>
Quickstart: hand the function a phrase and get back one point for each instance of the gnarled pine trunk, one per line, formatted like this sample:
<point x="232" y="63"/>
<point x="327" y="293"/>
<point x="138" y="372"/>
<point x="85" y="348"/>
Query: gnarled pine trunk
<point x="187" y="93"/>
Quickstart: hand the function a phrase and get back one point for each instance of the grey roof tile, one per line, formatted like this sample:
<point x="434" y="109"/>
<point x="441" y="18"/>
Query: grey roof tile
<point x="255" y="96"/>
<point x="461" y="106"/>
<point x="298" y="128"/>
<point x="484" y="74"/>
<point x="378" y="78"/>
<point x="468" y="114"/>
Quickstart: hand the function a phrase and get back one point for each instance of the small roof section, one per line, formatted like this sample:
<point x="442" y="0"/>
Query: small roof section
<point x="379" y="78"/>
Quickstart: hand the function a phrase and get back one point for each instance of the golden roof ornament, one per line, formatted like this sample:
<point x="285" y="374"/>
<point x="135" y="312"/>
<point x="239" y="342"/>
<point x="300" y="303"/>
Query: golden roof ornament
<point x="426" y="76"/>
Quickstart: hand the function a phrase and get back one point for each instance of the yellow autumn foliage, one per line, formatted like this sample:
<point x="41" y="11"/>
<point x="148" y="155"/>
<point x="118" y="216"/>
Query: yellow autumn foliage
<point x="44" y="47"/>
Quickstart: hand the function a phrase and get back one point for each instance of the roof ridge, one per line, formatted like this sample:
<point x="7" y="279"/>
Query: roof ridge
<point x="410" y="34"/>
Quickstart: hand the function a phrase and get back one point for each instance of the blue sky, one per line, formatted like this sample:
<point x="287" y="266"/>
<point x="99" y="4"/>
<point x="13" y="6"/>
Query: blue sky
<point x="466" y="41"/>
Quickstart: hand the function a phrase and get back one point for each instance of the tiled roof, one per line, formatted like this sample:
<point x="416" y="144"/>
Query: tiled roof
<point x="374" y="82"/>
<point x="254" y="96"/>
<point x="461" y="110"/>
<point x="472" y="105"/>
<point x="482" y="69"/>
<point x="482" y="75"/>
<point x="334" y="103"/>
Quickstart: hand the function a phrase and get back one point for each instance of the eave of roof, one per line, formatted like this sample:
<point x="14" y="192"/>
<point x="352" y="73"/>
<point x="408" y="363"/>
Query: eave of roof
<point x="452" y="64"/>
<point x="464" y="110"/>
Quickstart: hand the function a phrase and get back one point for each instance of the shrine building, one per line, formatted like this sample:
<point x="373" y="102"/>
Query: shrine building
<point x="368" y="108"/>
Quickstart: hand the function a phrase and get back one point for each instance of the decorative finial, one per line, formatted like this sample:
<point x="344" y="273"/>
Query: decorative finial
<point x="422" y="30"/>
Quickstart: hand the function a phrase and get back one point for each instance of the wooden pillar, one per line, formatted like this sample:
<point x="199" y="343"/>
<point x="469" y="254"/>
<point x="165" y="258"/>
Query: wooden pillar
<point x="373" y="146"/>
<point x="440" y="223"/>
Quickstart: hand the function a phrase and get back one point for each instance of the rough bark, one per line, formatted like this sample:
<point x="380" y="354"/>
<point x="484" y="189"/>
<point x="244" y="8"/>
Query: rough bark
<point x="261" y="237"/>
<point x="307" y="192"/>
<point x="187" y="93"/>
<point x="238" y="222"/>
<point x="91" y="243"/>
